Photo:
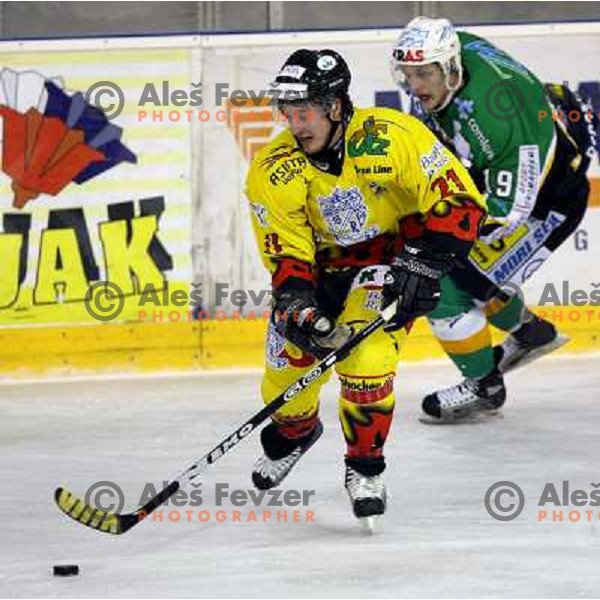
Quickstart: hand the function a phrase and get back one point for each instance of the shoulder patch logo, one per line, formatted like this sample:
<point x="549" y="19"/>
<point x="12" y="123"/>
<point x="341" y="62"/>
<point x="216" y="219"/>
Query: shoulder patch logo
<point x="465" y="108"/>
<point x="367" y="140"/>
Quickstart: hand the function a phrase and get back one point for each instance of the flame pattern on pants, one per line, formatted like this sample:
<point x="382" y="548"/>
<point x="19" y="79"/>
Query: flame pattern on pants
<point x="366" y="400"/>
<point x="366" y="410"/>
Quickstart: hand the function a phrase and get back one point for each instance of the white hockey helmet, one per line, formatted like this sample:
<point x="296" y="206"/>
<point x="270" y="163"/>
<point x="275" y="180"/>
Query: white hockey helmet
<point x="425" y="41"/>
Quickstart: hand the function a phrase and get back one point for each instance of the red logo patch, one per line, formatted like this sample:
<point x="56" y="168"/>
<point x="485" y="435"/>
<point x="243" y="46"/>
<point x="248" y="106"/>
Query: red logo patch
<point x="410" y="55"/>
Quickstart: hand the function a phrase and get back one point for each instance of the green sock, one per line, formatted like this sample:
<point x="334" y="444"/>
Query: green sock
<point x="509" y="316"/>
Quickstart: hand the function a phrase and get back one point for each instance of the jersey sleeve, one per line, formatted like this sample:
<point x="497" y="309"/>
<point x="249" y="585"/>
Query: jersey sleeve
<point x="510" y="126"/>
<point x="512" y="184"/>
<point x="450" y="206"/>
<point x="283" y="235"/>
<point x="513" y="179"/>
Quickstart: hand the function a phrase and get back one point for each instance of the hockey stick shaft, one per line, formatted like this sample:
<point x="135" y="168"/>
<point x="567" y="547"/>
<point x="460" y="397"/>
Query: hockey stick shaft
<point x="260" y="417"/>
<point x="120" y="523"/>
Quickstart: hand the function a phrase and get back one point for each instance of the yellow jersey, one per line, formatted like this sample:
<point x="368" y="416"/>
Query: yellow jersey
<point x="393" y="168"/>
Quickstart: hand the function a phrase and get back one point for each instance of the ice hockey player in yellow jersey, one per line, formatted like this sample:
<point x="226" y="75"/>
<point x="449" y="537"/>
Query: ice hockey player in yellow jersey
<point x="352" y="209"/>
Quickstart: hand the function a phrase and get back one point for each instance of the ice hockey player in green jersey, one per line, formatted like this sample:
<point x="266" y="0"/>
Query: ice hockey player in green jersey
<point x="497" y="116"/>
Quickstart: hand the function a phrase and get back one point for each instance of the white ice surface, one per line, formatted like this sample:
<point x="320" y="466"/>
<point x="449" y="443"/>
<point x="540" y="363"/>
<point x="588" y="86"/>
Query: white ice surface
<point x="435" y="540"/>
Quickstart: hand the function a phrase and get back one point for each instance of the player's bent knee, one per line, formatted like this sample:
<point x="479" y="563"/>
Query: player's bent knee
<point x="379" y="354"/>
<point x="460" y="326"/>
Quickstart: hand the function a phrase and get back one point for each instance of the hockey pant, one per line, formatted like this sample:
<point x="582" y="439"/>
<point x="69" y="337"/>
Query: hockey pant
<point x="366" y="376"/>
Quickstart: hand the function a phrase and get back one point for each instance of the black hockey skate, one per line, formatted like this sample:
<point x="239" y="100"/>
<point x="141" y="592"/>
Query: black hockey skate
<point x="465" y="399"/>
<point x="281" y="454"/>
<point x="366" y="489"/>
<point x="532" y="340"/>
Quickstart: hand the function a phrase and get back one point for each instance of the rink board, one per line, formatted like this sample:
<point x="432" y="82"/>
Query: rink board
<point x="205" y="224"/>
<point x="152" y="347"/>
<point x="84" y="222"/>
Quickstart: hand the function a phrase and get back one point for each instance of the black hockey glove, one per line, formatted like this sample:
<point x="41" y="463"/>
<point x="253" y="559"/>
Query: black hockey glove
<point x="414" y="280"/>
<point x="297" y="317"/>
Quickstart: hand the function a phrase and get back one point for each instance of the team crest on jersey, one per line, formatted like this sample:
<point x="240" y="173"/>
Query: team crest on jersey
<point x="346" y="215"/>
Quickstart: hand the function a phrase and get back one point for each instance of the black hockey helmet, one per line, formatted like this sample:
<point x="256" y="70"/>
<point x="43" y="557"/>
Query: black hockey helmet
<point x="313" y="75"/>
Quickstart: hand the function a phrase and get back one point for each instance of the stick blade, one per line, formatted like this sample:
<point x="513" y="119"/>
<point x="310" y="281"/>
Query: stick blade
<point x="75" y="508"/>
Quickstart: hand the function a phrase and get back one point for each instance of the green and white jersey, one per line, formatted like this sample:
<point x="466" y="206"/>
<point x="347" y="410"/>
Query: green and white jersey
<point x="495" y="122"/>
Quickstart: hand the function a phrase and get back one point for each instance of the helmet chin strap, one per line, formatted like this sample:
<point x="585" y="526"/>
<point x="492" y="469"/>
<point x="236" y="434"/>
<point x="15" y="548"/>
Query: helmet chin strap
<point x="335" y="126"/>
<point x="446" y="101"/>
<point x="451" y="89"/>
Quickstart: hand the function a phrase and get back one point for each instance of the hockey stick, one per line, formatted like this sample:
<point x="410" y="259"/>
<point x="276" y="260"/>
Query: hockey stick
<point x="116" y="524"/>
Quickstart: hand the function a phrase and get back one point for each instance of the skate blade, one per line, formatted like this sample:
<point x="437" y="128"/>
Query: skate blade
<point x="555" y="344"/>
<point x="367" y="524"/>
<point x="473" y="418"/>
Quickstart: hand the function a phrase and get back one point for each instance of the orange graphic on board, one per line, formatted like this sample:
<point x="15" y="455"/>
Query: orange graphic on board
<point x="252" y="123"/>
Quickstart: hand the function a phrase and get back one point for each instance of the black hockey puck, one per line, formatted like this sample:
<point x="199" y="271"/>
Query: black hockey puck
<point x="65" y="570"/>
